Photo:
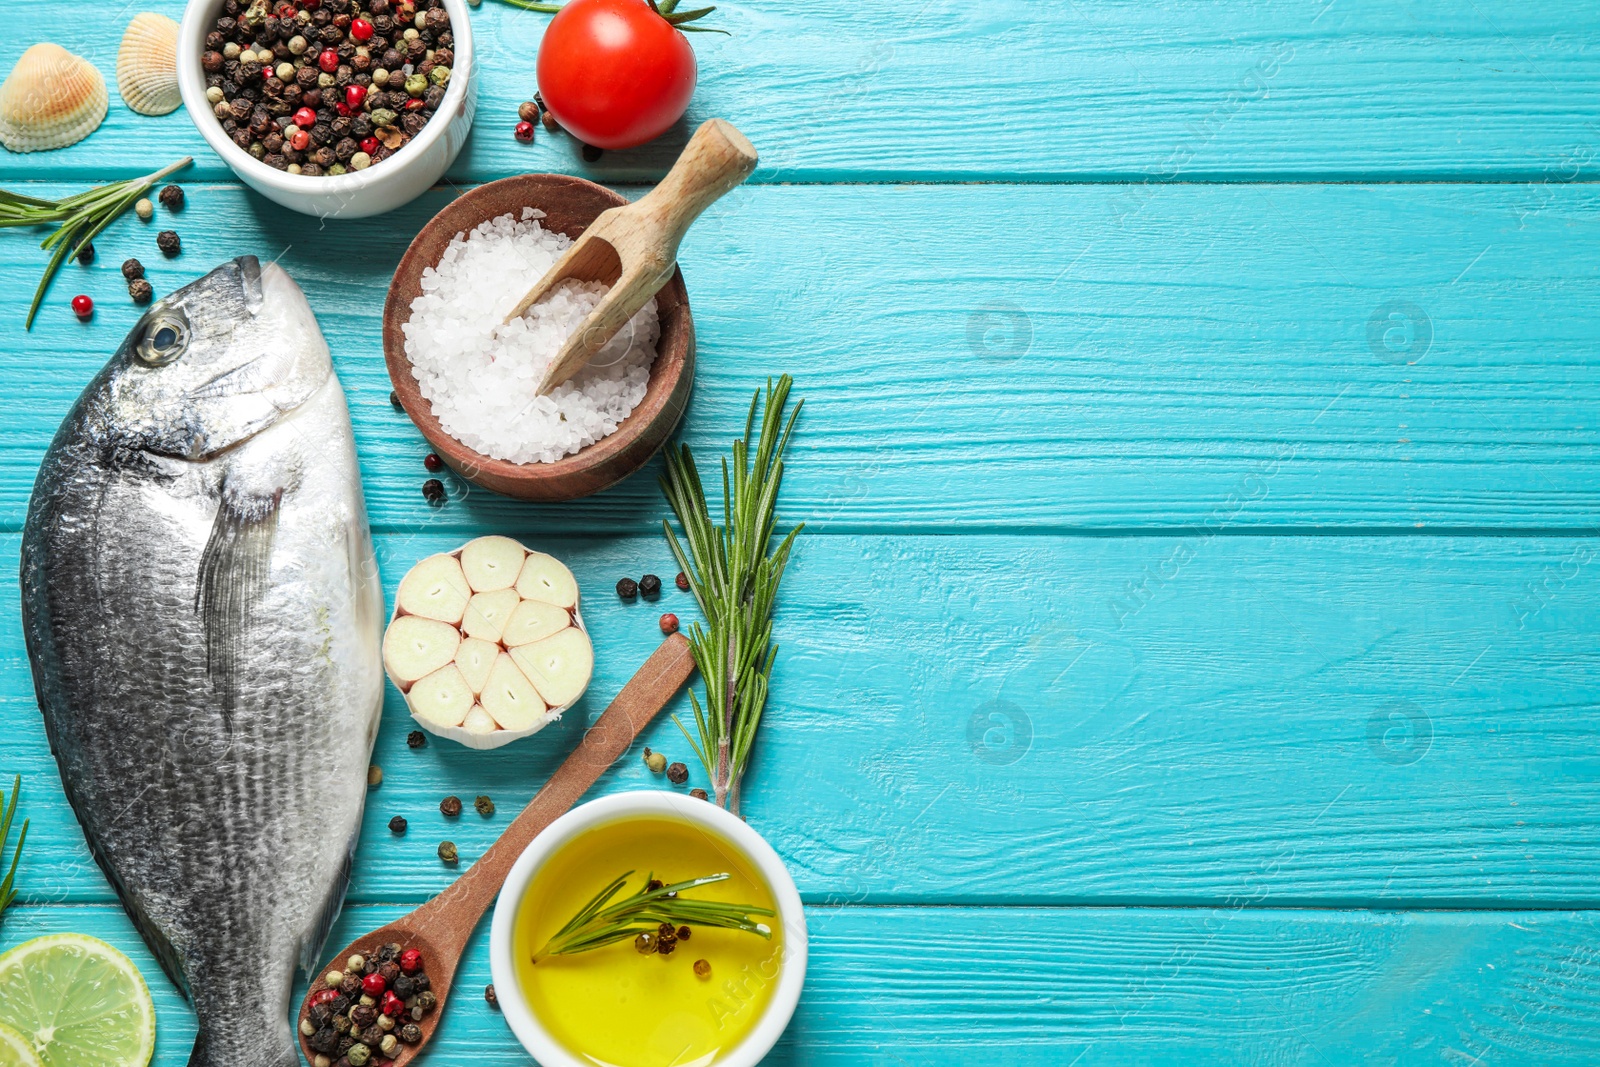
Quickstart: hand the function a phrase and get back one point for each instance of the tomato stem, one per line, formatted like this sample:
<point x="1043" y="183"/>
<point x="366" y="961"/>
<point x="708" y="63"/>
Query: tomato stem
<point x="667" y="9"/>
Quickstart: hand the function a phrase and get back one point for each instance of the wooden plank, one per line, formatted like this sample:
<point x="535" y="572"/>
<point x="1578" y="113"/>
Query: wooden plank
<point x="931" y="90"/>
<point x="1207" y="357"/>
<point x="1232" y="720"/>
<point x="1101" y="987"/>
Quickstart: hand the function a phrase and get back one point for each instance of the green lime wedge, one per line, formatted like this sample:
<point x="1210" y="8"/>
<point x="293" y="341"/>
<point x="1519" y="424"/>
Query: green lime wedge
<point x="76" y="1002"/>
<point x="15" y="1051"/>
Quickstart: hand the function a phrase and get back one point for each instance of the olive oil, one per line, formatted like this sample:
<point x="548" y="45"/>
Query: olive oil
<point x="613" y="1007"/>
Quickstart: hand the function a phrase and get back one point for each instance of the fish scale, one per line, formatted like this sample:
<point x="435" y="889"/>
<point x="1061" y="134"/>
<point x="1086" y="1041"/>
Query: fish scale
<point x="203" y="616"/>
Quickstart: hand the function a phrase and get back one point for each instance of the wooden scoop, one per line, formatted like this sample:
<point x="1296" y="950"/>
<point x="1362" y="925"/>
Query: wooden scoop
<point x="634" y="248"/>
<point x="441" y="927"/>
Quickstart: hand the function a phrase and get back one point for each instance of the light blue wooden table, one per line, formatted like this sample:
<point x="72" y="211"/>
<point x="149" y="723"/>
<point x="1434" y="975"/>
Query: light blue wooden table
<point x="1193" y="656"/>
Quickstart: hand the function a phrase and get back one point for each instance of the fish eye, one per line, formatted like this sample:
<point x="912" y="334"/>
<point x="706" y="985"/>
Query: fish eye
<point x="164" y="340"/>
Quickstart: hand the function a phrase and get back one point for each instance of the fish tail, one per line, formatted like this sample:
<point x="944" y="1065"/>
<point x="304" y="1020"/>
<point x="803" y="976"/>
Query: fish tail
<point x="244" y="1046"/>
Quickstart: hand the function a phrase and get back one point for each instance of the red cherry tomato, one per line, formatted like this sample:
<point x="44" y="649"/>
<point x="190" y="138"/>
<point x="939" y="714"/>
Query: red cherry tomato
<point x="614" y="72"/>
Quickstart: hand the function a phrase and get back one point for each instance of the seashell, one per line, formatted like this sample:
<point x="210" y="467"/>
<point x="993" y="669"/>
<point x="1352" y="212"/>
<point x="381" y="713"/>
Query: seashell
<point x="50" y="99"/>
<point x="147" y="65"/>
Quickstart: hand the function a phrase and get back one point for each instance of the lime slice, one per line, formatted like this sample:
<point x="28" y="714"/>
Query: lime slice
<point x="15" y="1050"/>
<point x="77" y="1002"/>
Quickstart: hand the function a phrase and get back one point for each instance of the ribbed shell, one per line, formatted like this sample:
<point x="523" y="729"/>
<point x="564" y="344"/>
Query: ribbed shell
<point x="147" y="65"/>
<point x="51" y="99"/>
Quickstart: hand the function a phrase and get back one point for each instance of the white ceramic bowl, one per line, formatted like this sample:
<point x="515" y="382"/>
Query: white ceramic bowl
<point x="534" y="1037"/>
<point x="383" y="187"/>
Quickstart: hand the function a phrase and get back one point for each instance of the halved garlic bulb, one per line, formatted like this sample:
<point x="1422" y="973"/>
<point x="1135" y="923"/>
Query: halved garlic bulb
<point x="486" y="642"/>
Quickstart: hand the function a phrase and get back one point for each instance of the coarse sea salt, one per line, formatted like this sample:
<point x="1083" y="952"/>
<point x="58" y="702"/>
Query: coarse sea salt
<point x="480" y="375"/>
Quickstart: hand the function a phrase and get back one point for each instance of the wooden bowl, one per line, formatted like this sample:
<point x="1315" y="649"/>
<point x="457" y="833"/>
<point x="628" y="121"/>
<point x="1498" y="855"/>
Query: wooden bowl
<point x="570" y="205"/>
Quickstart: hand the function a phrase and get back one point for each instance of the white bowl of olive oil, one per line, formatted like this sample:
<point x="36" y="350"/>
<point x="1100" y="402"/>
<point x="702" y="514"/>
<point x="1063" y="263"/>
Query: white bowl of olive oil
<point x="719" y="996"/>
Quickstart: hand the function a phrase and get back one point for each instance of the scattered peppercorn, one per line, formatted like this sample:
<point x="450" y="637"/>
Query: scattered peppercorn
<point x="669" y="623"/>
<point x="86" y="253"/>
<point x="374" y="775"/>
<point x="488" y="994"/>
<point x="677" y="774"/>
<point x="653" y="884"/>
<point x="397" y="825"/>
<point x="550" y="123"/>
<point x="524" y="132"/>
<point x="528" y="111"/>
<point x="416" y="739"/>
<point x="447" y="852"/>
<point x="702" y="968"/>
<point x="682" y="581"/>
<point x="433" y="492"/>
<point x="645" y="943"/>
<point x="655" y="761"/>
<point x="649" y="587"/>
<point x="698" y="793"/>
<point x="83" y="307"/>
<point x="141" y="291"/>
<point x="394" y="401"/>
<point x="485" y="806"/>
<point x="132" y="269"/>
<point x="433" y="462"/>
<point x="172" y="198"/>
<point x="450" y="807"/>
<point x="628" y="589"/>
<point x="144" y="209"/>
<point x="168" y="242"/>
<point x="683" y="933"/>
<point x="591" y="154"/>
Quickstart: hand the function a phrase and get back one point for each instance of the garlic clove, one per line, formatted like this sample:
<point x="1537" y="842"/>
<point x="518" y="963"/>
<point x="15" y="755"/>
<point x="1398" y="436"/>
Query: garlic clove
<point x="415" y="647"/>
<point x="534" y="620"/>
<point x="491" y="563"/>
<point x="510" y="698"/>
<point x="436" y="588"/>
<point x="442" y="698"/>
<point x="487" y="613"/>
<point x="558" y="666"/>
<point x="475" y="658"/>
<point x="545" y="578"/>
<point x="479" y="721"/>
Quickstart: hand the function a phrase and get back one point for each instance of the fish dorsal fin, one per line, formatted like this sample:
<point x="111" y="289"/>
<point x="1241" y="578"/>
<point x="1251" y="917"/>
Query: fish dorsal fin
<point x="234" y="569"/>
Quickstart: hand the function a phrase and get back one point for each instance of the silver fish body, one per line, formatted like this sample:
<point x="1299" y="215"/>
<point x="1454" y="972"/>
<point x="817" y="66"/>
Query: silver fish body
<point x="203" y="615"/>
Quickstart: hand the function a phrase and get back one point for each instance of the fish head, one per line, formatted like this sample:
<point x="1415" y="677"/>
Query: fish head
<point x="215" y="363"/>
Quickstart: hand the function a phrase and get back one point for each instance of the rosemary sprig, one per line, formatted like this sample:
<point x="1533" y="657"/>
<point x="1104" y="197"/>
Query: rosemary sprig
<point x="596" y="925"/>
<point x="8" y="890"/>
<point x="82" y="218"/>
<point x="735" y="579"/>
<point x="667" y="9"/>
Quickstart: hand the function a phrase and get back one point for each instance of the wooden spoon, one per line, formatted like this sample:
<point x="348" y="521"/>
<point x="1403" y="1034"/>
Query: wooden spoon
<point x="634" y="248"/>
<point x="441" y="927"/>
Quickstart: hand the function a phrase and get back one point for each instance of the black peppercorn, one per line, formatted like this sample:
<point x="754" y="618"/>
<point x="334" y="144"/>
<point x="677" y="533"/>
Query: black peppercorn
<point x="324" y="1040"/>
<point x="141" y="291"/>
<point x="410" y="1033"/>
<point x="86" y="253"/>
<point x="397" y="825"/>
<point x="403" y="986"/>
<point x="168" y="242"/>
<point x="591" y="154"/>
<point x="628" y="589"/>
<point x="450" y="807"/>
<point x="363" y="1015"/>
<point x="350" y="987"/>
<point x="433" y="491"/>
<point x="416" y="739"/>
<point x="698" y="793"/>
<point x="488" y="994"/>
<point x="171" y="198"/>
<point x="485" y="806"/>
<point x="394" y="401"/>
<point x="649" y="587"/>
<point x="653" y="884"/>
<point x="132" y="269"/>
<point x="677" y="773"/>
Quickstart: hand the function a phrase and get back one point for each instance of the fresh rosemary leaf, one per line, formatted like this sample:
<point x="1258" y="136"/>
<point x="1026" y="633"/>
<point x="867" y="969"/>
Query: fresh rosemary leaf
<point x="735" y="580"/>
<point x="82" y="217"/>
<point x="642" y="912"/>
<point x="8" y="890"/>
